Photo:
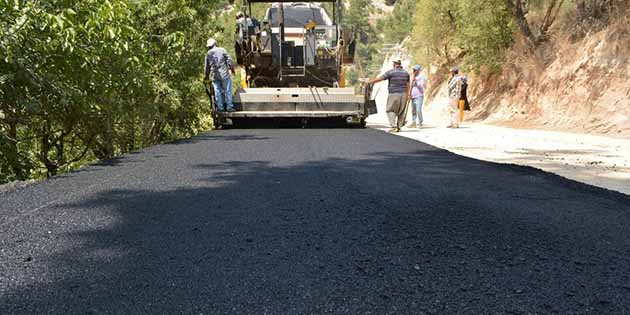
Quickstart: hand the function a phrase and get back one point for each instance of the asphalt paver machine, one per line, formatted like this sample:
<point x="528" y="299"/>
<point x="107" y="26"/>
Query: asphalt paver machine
<point x="293" y="62"/>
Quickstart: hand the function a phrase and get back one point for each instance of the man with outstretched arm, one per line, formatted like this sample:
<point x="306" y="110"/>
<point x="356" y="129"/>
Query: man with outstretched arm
<point x="398" y="91"/>
<point x="218" y="67"/>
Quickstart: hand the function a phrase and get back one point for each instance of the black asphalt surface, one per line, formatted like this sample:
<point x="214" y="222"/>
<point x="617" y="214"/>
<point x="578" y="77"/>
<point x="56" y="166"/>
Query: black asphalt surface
<point x="339" y="221"/>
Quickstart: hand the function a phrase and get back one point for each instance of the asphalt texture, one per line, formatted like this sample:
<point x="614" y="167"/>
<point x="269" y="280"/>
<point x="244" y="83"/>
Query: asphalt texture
<point x="315" y="221"/>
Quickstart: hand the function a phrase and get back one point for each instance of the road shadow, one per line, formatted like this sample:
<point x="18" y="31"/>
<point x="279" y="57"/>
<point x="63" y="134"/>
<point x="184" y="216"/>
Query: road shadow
<point x="289" y="123"/>
<point x="419" y="230"/>
<point x="210" y="136"/>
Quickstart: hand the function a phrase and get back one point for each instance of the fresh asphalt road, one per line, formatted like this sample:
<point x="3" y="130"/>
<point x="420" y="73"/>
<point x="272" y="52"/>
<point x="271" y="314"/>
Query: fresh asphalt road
<point x="335" y="221"/>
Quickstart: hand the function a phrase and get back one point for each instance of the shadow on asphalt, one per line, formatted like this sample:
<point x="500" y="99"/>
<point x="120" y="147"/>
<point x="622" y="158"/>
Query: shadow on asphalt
<point x="209" y="136"/>
<point x="415" y="231"/>
<point x="289" y="123"/>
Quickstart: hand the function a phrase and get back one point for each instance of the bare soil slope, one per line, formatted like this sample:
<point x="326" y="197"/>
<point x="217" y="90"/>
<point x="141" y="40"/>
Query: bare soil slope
<point x="581" y="86"/>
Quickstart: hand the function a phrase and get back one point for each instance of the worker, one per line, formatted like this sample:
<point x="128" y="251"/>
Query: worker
<point x="398" y="89"/>
<point x="454" y="95"/>
<point x="239" y="37"/>
<point x="265" y="29"/>
<point x="253" y="32"/>
<point x="219" y="65"/>
<point x="241" y="27"/>
<point x="418" y="83"/>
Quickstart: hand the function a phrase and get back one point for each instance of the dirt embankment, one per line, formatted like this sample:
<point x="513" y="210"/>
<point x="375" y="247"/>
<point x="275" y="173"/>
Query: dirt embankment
<point x="579" y="86"/>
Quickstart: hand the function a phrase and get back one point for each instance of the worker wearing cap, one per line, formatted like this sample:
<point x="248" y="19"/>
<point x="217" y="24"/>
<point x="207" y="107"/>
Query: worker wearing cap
<point x="454" y="95"/>
<point x="241" y="27"/>
<point x="218" y="66"/>
<point x="398" y="91"/>
<point x="418" y="84"/>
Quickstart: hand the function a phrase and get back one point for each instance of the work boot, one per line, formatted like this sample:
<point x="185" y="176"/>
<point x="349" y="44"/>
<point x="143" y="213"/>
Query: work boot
<point x="393" y="130"/>
<point x="413" y="125"/>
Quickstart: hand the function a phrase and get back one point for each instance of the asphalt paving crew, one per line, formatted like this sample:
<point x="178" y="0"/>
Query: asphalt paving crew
<point x="219" y="65"/>
<point x="240" y="35"/>
<point x="399" y="82"/>
<point x="254" y="32"/>
<point x="454" y="96"/>
<point x="416" y="95"/>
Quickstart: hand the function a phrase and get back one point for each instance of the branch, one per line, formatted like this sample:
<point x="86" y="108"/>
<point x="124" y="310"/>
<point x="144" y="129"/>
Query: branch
<point x="550" y="18"/>
<point x="519" y="17"/>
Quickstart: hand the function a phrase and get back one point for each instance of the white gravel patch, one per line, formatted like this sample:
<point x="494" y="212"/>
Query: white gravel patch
<point x="596" y="160"/>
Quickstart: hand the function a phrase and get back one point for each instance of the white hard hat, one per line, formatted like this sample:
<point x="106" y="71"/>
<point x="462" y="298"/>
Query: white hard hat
<point x="211" y="42"/>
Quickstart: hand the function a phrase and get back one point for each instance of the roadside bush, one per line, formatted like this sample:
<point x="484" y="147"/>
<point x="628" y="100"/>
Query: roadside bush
<point x="86" y="79"/>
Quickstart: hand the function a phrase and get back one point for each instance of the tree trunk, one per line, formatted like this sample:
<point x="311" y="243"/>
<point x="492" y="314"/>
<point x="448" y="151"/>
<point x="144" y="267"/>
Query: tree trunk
<point x="14" y="154"/>
<point x="516" y="8"/>
<point x="51" y="168"/>
<point x="550" y="17"/>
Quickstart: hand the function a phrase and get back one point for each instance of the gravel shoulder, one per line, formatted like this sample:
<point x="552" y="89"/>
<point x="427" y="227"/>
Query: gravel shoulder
<point x="596" y="160"/>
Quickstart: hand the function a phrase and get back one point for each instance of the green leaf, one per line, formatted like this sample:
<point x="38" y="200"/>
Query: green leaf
<point x="59" y="21"/>
<point x="111" y="33"/>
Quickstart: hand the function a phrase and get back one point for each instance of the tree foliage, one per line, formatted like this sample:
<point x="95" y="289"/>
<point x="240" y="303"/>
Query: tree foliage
<point x="396" y="27"/>
<point x="356" y="18"/>
<point x="475" y="32"/>
<point x="85" y="79"/>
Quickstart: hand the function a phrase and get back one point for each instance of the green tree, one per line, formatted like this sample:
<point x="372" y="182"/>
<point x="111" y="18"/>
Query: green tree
<point x="85" y="79"/>
<point x="396" y="27"/>
<point x="472" y="32"/>
<point x="356" y="18"/>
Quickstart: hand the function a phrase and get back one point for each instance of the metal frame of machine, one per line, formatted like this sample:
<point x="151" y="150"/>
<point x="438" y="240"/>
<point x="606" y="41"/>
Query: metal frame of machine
<point x="311" y="86"/>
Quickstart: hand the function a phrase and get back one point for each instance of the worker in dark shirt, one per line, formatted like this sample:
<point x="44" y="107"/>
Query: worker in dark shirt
<point x="398" y="91"/>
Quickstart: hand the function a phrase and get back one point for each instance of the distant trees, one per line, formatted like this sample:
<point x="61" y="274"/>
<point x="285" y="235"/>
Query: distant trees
<point x="356" y="17"/>
<point x="475" y="32"/>
<point x="86" y="79"/>
<point x="398" y="26"/>
<point x="372" y="34"/>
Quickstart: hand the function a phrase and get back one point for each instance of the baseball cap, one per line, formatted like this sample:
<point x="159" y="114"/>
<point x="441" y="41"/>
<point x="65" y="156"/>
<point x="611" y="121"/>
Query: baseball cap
<point x="211" y="42"/>
<point x="397" y="61"/>
<point x="417" y="68"/>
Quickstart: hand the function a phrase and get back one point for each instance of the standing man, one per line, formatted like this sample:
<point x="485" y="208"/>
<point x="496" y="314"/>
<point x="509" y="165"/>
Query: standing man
<point x="418" y="84"/>
<point x="253" y="31"/>
<point x="239" y="38"/>
<point x="454" y="95"/>
<point x="219" y="65"/>
<point x="398" y="90"/>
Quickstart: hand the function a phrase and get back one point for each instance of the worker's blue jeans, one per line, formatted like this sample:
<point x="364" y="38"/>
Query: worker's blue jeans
<point x="416" y="109"/>
<point x="223" y="94"/>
